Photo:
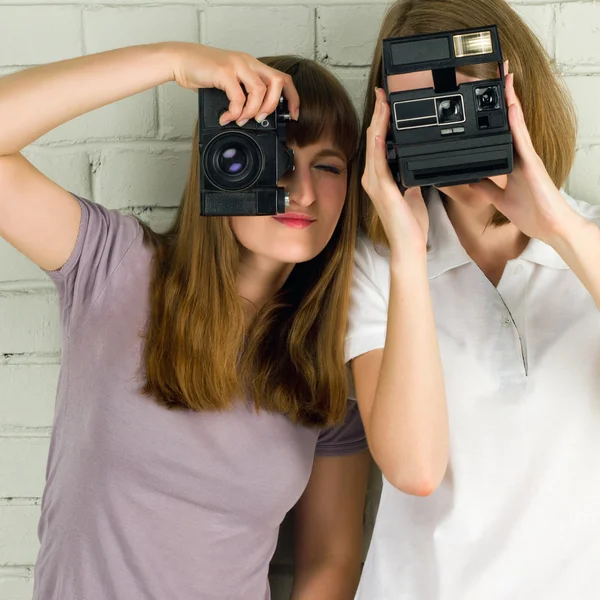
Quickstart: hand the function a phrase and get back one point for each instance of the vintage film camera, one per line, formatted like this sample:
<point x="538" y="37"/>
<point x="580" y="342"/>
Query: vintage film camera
<point x="451" y="134"/>
<point x="240" y="166"/>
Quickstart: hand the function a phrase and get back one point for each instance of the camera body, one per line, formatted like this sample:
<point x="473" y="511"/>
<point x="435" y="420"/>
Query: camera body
<point x="240" y="166"/>
<point x="450" y="134"/>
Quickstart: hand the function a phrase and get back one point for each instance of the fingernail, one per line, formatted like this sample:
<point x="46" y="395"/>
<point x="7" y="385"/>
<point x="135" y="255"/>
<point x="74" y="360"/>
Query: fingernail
<point x="224" y="121"/>
<point x="296" y="114"/>
<point x="242" y="122"/>
<point x="261" y="117"/>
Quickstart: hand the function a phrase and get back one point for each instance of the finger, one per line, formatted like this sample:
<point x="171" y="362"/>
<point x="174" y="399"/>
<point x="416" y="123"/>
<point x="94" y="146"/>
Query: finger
<point x="237" y="99"/>
<point x="291" y="95"/>
<point x="274" y="83"/>
<point x="380" y="125"/>
<point x="371" y="139"/>
<point x="256" y="89"/>
<point x="488" y="189"/>
<point x="521" y="137"/>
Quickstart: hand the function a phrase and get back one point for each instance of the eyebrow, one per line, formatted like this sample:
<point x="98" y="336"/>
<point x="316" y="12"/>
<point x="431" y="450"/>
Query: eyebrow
<point x="331" y="152"/>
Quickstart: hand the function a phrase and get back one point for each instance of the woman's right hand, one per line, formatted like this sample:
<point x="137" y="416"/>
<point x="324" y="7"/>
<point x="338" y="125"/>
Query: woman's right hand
<point x="404" y="218"/>
<point x="199" y="66"/>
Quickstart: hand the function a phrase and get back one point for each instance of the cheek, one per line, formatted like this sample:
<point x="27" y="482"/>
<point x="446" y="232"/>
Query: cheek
<point x="249" y="230"/>
<point x="332" y="196"/>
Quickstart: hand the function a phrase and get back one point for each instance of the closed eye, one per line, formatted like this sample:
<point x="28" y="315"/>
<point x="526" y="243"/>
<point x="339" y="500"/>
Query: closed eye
<point x="329" y="169"/>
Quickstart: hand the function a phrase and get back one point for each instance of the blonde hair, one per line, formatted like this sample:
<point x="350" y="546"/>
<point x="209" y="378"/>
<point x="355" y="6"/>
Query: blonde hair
<point x="549" y="113"/>
<point x="199" y="354"/>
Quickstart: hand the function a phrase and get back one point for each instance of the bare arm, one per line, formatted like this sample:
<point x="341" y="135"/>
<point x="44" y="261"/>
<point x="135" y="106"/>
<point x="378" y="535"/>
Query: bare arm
<point x="328" y="529"/>
<point x="579" y="247"/>
<point x="400" y="389"/>
<point x="38" y="217"/>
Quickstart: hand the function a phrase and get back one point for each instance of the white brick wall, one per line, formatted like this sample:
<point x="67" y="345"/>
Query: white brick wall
<point x="134" y="156"/>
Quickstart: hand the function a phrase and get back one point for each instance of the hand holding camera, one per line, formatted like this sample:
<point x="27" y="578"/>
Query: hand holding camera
<point x="198" y="66"/>
<point x="530" y="200"/>
<point x="404" y="218"/>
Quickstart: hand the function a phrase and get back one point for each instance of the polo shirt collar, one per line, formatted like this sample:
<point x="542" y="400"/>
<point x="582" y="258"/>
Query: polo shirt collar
<point x="446" y="252"/>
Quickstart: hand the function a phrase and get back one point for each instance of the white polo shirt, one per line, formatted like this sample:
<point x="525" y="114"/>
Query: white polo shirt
<point x="517" y="516"/>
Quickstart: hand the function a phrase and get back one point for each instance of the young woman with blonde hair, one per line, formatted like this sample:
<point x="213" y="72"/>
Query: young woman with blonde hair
<point x="475" y="345"/>
<point x="202" y="370"/>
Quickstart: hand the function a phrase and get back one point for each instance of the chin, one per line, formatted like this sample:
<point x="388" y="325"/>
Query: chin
<point x="289" y="253"/>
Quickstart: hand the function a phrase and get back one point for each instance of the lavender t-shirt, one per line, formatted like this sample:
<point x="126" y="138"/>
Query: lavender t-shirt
<point x="142" y="502"/>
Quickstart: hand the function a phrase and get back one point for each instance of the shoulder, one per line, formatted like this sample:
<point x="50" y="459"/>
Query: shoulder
<point x="372" y="260"/>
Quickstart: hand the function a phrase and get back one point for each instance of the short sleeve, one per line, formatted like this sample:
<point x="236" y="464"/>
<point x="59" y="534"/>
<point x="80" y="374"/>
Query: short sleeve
<point x="104" y="238"/>
<point x="367" y="320"/>
<point x="344" y="439"/>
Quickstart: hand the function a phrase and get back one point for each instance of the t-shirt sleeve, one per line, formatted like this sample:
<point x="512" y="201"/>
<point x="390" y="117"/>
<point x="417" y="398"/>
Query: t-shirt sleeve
<point x="344" y="439"/>
<point x="103" y="240"/>
<point x="367" y="320"/>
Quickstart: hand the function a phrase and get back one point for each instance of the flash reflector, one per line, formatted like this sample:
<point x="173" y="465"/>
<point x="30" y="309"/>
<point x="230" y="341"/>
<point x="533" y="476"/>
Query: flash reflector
<point x="473" y="44"/>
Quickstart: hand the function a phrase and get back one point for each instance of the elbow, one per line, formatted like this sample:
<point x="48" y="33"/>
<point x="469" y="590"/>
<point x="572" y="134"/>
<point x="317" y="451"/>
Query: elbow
<point x="418" y="487"/>
<point x="415" y="477"/>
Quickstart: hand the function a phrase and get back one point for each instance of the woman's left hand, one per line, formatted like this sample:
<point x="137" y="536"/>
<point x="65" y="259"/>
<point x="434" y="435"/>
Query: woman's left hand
<point x="530" y="200"/>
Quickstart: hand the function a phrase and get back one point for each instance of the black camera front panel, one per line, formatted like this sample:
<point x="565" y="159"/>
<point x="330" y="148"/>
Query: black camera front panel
<point x="240" y="166"/>
<point x="449" y="118"/>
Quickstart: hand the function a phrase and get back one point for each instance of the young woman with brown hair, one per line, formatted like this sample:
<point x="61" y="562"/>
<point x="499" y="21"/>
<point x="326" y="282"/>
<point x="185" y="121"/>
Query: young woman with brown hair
<point x="203" y="369"/>
<point x="474" y="338"/>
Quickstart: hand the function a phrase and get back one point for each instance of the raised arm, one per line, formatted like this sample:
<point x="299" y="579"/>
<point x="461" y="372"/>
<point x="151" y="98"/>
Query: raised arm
<point x="400" y="388"/>
<point x="41" y="219"/>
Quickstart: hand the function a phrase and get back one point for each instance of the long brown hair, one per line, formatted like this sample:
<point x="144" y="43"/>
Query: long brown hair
<point x="547" y="106"/>
<point x="199" y="353"/>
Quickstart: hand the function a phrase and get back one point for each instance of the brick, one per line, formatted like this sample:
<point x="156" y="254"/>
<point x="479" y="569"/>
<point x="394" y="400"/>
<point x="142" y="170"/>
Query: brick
<point x="131" y="118"/>
<point x="23" y="466"/>
<point x="15" y="267"/>
<point x="348" y="37"/>
<point x="142" y="177"/>
<point x="355" y="81"/>
<point x="8" y="70"/>
<point x="17" y="585"/>
<point x="68" y="168"/>
<point x="577" y="33"/>
<point x="138" y="25"/>
<point x="54" y="31"/>
<point x="18" y="542"/>
<point x="29" y="323"/>
<point x="27" y="395"/>
<point x="178" y="111"/>
<point x="584" y="181"/>
<point x="585" y="91"/>
<point x="540" y="19"/>
<point x="259" y="30"/>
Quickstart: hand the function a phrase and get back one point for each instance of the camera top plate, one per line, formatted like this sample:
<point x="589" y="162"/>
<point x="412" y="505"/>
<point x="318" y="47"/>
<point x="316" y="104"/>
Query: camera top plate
<point x="452" y="49"/>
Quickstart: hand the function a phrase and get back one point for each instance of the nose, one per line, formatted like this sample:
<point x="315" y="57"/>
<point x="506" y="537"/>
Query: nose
<point x="299" y="185"/>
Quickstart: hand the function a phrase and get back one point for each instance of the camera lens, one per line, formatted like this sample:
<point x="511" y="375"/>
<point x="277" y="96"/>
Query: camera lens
<point x="450" y="110"/>
<point x="233" y="160"/>
<point x="487" y="98"/>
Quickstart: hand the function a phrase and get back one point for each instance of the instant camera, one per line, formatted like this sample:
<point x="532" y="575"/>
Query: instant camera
<point x="451" y="134"/>
<point x="240" y="166"/>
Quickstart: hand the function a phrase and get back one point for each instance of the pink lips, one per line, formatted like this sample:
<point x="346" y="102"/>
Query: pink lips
<point x="295" y="220"/>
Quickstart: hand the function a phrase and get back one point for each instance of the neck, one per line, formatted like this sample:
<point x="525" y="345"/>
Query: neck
<point x="491" y="247"/>
<point x="260" y="278"/>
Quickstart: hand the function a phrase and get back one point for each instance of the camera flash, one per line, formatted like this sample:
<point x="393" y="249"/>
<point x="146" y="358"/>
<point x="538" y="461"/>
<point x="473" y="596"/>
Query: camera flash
<point x="473" y="44"/>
